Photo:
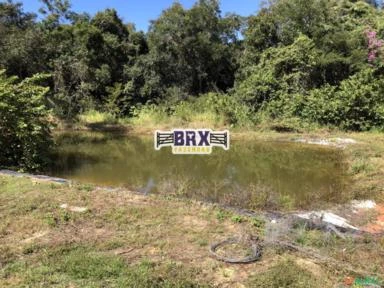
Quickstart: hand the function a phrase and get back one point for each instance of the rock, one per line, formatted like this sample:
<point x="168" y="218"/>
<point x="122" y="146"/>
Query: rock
<point x="319" y="218"/>
<point x="35" y="177"/>
<point x="367" y="204"/>
<point x="336" y="142"/>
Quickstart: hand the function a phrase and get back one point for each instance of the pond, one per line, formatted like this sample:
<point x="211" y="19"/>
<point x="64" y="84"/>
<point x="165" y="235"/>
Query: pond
<point x="252" y="174"/>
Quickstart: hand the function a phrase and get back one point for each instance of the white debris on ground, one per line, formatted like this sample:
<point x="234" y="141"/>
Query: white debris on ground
<point x="327" y="218"/>
<point x="344" y="140"/>
<point x="364" y="204"/>
<point x="35" y="177"/>
<point x="313" y="141"/>
<point x="337" y="142"/>
<point x="74" y="208"/>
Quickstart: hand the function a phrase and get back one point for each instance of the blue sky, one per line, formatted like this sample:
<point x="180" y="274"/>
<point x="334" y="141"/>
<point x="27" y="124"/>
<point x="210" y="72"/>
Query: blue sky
<point x="141" y="12"/>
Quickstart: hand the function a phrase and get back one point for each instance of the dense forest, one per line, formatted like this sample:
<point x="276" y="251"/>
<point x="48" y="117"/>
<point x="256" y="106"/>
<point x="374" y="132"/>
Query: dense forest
<point x="296" y="63"/>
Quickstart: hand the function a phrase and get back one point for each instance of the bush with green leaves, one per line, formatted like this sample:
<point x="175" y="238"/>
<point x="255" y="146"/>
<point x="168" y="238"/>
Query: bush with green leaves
<point x="356" y="104"/>
<point x="24" y="130"/>
<point x="314" y="72"/>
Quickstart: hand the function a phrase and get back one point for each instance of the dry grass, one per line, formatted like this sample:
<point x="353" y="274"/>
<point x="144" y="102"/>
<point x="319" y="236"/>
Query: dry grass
<point x="43" y="244"/>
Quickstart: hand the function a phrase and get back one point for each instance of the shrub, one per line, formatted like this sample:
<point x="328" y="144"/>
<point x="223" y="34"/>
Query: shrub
<point x="24" y="130"/>
<point x="357" y="104"/>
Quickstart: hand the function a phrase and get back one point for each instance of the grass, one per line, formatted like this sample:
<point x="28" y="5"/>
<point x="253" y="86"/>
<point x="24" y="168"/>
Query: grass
<point x="123" y="240"/>
<point x="94" y="117"/>
<point x="78" y="266"/>
<point x="150" y="118"/>
<point x="129" y="240"/>
<point x="147" y="119"/>
<point x="286" y="273"/>
<point x="210" y="110"/>
<point x="92" y="120"/>
<point x="366" y="165"/>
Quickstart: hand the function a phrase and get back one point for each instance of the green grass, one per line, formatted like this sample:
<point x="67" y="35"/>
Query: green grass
<point x="94" y="117"/>
<point x="98" y="118"/>
<point x="361" y="165"/>
<point x="82" y="249"/>
<point x="237" y="219"/>
<point x="156" y="117"/>
<point x="83" y="267"/>
<point x="286" y="273"/>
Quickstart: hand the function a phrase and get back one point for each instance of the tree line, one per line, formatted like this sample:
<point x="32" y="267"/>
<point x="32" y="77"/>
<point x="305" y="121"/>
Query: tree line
<point x="293" y="63"/>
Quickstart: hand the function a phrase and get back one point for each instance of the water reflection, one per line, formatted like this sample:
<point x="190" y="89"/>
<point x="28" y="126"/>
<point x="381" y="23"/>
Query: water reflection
<point x="251" y="174"/>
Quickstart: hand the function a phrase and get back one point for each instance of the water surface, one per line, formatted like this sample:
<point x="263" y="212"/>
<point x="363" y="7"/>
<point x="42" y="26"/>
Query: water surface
<point x="252" y="174"/>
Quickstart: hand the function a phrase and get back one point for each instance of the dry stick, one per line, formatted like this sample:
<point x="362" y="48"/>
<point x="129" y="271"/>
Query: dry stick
<point x="125" y="251"/>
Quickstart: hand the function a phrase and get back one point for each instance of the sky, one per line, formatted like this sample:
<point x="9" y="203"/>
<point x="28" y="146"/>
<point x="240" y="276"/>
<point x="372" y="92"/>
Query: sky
<point x="140" y="12"/>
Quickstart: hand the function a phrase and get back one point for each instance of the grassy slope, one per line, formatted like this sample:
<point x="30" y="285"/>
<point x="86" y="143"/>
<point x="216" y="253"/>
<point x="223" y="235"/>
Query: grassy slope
<point x="123" y="238"/>
<point x="129" y="240"/>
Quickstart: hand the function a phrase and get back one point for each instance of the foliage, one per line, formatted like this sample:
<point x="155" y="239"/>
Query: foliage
<point x="293" y="64"/>
<point x="24" y="130"/>
<point x="356" y="104"/>
<point x="193" y="49"/>
<point x="316" y="62"/>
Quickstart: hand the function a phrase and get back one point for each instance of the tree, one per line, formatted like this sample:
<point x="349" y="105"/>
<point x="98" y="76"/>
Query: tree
<point x="296" y="48"/>
<point x="24" y="130"/>
<point x="91" y="62"/>
<point x="192" y="49"/>
<point x="12" y="15"/>
<point x="21" y="52"/>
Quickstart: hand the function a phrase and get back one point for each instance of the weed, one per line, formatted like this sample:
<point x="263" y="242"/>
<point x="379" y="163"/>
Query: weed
<point x="237" y="219"/>
<point x="221" y="215"/>
<point x="51" y="220"/>
<point x="361" y="165"/>
<point x="286" y="202"/>
<point x="202" y="242"/>
<point x="285" y="274"/>
<point x="32" y="248"/>
<point x="257" y="222"/>
<point x="85" y="187"/>
<point x="95" y="117"/>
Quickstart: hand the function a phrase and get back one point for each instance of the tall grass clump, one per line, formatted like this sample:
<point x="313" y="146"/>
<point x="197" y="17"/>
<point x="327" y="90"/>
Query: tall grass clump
<point x="209" y="110"/>
<point x="94" y="117"/>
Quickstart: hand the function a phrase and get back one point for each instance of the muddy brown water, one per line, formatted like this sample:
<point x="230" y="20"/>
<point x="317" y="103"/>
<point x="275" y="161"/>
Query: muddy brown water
<point x="252" y="174"/>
